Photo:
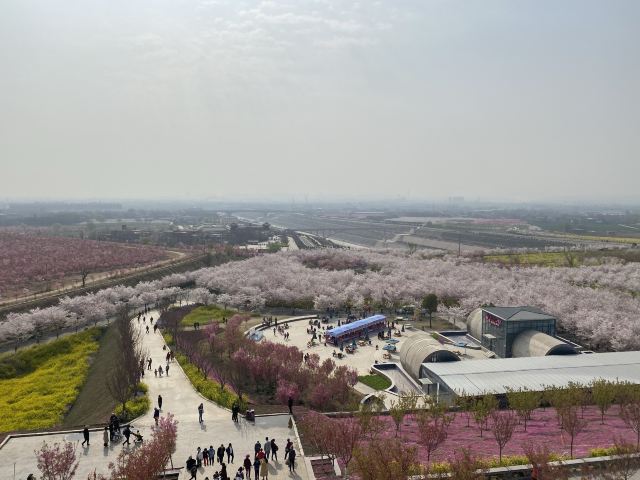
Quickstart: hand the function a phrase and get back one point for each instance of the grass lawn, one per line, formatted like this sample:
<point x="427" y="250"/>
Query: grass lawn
<point x="545" y="259"/>
<point x="206" y="314"/>
<point x="94" y="404"/>
<point x="598" y="238"/>
<point x="375" y="381"/>
<point x="39" y="383"/>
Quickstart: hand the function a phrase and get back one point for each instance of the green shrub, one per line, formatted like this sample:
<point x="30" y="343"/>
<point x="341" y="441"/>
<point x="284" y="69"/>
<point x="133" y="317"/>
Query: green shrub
<point x="208" y="388"/>
<point x="439" y="467"/>
<point x="137" y="406"/>
<point x="168" y="339"/>
<point x="603" y="452"/>
<point x="507" y="461"/>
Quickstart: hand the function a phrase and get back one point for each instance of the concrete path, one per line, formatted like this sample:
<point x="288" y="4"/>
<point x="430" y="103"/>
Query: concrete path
<point x="180" y="399"/>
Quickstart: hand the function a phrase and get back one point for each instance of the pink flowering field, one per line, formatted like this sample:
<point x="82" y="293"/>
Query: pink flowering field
<point x="542" y="429"/>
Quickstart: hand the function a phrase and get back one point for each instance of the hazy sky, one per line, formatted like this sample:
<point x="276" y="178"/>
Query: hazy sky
<point x="212" y="98"/>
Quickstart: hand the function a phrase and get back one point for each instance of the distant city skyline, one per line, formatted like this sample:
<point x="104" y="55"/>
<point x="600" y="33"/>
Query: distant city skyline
<point x="506" y="101"/>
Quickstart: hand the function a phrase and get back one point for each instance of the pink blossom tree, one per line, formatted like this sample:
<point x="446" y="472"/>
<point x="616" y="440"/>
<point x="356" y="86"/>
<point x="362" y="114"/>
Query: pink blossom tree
<point x="57" y="462"/>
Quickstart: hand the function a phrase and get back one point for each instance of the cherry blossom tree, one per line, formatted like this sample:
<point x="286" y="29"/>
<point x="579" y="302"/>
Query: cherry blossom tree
<point x="150" y="459"/>
<point x="503" y="425"/>
<point x="57" y="462"/>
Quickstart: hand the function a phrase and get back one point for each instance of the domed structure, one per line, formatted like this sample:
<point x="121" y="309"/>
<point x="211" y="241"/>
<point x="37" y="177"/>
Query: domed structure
<point x="474" y="324"/>
<point x="532" y="343"/>
<point x="420" y="349"/>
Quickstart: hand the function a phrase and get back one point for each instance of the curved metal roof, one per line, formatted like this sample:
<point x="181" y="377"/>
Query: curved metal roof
<point x="420" y="349"/>
<point x="477" y="377"/>
<point x="532" y="343"/>
<point x="364" y="322"/>
<point x="474" y="324"/>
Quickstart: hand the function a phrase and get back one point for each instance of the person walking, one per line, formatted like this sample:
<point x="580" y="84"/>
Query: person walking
<point x="223" y="472"/>
<point x="127" y="433"/>
<point x="149" y="364"/>
<point x="105" y="436"/>
<point x="205" y="456"/>
<point x="230" y="455"/>
<point x="166" y="369"/>
<point x="200" y="412"/>
<point x="212" y="455"/>
<point x="257" y="447"/>
<point x="274" y="450"/>
<point x="191" y="467"/>
<point x="290" y="403"/>
<point x="85" y="434"/>
<point x="156" y="415"/>
<point x="160" y="370"/>
<point x="267" y="448"/>
<point x="287" y="448"/>
<point x="256" y="469"/>
<point x="247" y="466"/>
<point x="220" y="452"/>
<point x="239" y="474"/>
<point x="264" y="469"/>
<point x="292" y="460"/>
<point x="234" y="411"/>
<point x="160" y="402"/>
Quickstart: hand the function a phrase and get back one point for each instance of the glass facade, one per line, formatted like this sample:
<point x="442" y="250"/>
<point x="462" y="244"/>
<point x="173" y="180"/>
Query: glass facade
<point x="498" y="334"/>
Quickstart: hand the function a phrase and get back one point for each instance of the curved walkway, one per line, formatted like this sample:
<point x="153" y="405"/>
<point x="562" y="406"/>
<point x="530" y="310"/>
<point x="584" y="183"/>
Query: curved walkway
<point x="182" y="400"/>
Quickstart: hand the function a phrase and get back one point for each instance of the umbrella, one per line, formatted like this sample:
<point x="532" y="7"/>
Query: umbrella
<point x="390" y="348"/>
<point x="393" y="341"/>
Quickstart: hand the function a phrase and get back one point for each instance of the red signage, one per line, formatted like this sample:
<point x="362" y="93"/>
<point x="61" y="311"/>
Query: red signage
<point x="493" y="320"/>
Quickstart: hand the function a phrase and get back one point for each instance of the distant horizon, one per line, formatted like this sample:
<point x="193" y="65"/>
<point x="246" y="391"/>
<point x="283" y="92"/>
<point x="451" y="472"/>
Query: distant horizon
<point x="311" y="202"/>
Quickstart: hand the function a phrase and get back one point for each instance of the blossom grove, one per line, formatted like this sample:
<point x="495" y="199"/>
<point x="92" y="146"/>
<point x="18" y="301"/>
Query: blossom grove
<point x="596" y="302"/>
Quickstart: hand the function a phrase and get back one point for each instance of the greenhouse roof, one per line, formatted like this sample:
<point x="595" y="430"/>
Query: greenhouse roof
<point x="476" y="377"/>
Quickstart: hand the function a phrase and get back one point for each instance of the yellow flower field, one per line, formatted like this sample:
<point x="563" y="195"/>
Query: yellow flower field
<point x="47" y="381"/>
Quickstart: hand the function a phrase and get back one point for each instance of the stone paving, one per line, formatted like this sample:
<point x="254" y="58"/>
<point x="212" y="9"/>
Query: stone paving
<point x="182" y="400"/>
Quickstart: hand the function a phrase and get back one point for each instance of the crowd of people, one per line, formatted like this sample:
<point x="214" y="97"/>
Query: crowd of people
<point x="259" y="465"/>
<point x="282" y="330"/>
<point x="222" y="458"/>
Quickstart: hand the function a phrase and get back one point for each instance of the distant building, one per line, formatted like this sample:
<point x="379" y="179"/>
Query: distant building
<point x="517" y="332"/>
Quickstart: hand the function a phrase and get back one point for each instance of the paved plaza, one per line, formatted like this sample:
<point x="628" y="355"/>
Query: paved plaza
<point x="182" y="400"/>
<point x="361" y="360"/>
